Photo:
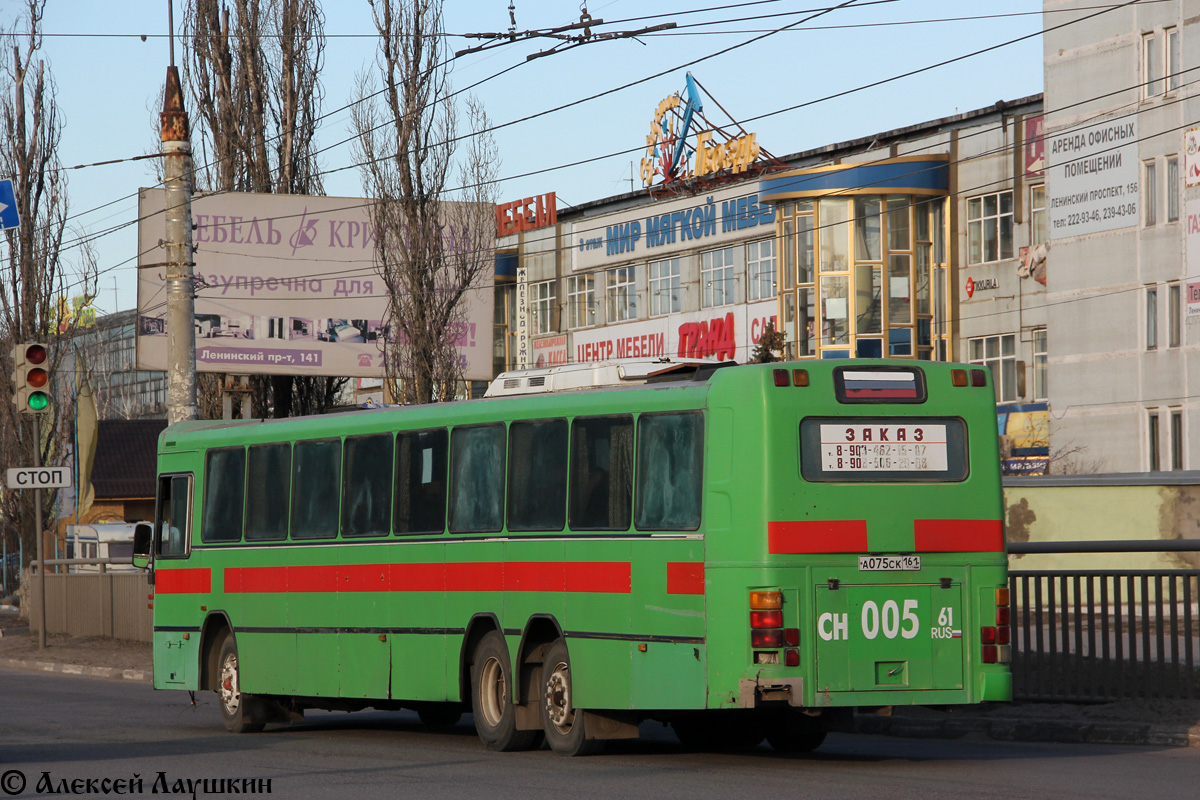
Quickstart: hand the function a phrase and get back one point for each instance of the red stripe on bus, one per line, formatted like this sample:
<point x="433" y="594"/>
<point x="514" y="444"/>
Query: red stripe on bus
<point x="685" y="577"/>
<point x="959" y="535"/>
<point x="196" y="580"/>
<point x="817" y="536"/>
<point x="515" y="576"/>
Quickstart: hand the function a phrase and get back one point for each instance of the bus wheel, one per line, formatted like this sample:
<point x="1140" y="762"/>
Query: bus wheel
<point x="236" y="706"/>
<point x="439" y="715"/>
<point x="565" y="725"/>
<point x="796" y="733"/>
<point x="491" y="698"/>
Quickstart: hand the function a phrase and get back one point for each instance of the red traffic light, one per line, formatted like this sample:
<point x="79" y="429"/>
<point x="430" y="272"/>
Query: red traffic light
<point x="35" y="354"/>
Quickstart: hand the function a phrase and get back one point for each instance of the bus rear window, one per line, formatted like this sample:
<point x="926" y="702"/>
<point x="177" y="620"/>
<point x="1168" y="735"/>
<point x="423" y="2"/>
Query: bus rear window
<point x="883" y="449"/>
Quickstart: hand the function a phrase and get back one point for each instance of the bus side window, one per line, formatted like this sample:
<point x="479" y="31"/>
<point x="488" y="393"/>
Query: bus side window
<point x="477" y="479"/>
<point x="173" y="528"/>
<point x="669" y="471"/>
<point x="421" y="482"/>
<point x="537" y="475"/>
<point x="269" y="475"/>
<point x="316" y="484"/>
<point x="601" y="473"/>
<point x="367" y="486"/>
<point x="224" y="493"/>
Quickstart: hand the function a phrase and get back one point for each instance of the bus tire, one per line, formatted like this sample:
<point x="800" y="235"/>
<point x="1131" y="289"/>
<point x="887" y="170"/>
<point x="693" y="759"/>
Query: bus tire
<point x="796" y="733"/>
<point x="491" y="698"/>
<point x="237" y="708"/>
<point x="564" y="724"/>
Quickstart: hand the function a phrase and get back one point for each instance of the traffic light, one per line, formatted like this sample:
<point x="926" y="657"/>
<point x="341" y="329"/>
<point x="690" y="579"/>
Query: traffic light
<point x="31" y="378"/>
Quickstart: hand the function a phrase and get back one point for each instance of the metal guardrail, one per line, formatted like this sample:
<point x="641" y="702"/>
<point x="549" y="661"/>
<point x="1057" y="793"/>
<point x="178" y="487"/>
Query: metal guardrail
<point x="1099" y="635"/>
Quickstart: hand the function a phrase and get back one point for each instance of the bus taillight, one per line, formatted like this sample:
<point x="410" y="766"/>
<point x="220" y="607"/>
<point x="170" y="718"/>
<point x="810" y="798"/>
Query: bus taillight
<point x="766" y="599"/>
<point x="772" y="618"/>
<point x="766" y="620"/>
<point x="769" y="638"/>
<point x="996" y="639"/>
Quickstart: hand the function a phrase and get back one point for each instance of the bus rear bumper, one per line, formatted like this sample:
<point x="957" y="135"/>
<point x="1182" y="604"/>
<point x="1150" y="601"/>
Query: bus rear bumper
<point x="752" y="692"/>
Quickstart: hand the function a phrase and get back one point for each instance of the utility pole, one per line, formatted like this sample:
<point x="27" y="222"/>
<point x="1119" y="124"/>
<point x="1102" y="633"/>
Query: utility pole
<point x="181" y="287"/>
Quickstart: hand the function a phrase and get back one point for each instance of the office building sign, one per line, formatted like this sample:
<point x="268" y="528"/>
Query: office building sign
<point x="716" y="334"/>
<point x="1191" y="157"/>
<point x="1191" y="243"/>
<point x="1092" y="178"/>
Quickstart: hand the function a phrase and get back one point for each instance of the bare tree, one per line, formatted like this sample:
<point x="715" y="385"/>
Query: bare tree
<point x="430" y="251"/>
<point x="253" y="68"/>
<point x="35" y="273"/>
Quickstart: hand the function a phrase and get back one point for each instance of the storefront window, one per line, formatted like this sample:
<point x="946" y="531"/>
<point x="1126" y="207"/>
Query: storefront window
<point x="868" y="291"/>
<point x="835" y="235"/>
<point x="899" y="231"/>
<point x="899" y="290"/>
<point x="835" y="310"/>
<point x="867" y="226"/>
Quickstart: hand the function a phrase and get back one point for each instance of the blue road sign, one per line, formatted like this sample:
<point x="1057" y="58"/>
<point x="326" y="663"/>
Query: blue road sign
<point x="8" y="206"/>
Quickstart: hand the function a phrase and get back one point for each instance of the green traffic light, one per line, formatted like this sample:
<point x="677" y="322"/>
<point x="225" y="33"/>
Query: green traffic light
<point x="38" y="401"/>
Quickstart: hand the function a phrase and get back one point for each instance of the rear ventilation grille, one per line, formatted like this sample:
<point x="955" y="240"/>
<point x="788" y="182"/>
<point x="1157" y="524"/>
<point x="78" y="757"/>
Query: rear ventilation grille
<point x="538" y="381"/>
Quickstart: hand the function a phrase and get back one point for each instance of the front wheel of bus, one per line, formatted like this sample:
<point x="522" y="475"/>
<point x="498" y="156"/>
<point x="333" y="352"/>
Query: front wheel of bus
<point x="491" y="698"/>
<point x="235" y="704"/>
<point x="565" y="725"/>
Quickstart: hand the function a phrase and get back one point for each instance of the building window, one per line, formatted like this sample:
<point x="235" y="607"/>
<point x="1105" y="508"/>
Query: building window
<point x="1151" y="318"/>
<point x="1176" y="438"/>
<point x="1037" y="215"/>
<point x="621" y="293"/>
<point x="665" y="288"/>
<point x="1173" y="310"/>
<point x="716" y="277"/>
<point x="541" y="298"/>
<point x="1149" y="193"/>
<point x="1151" y="66"/>
<point x="581" y="300"/>
<point x="989" y="227"/>
<point x="1152" y="435"/>
<point x="1172" y="188"/>
<point x="1041" y="390"/>
<point x="999" y="354"/>
<point x="1172" y="40"/>
<point x="760" y="270"/>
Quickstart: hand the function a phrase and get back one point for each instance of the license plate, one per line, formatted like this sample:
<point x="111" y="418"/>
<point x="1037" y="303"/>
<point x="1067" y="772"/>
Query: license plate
<point x="888" y="563"/>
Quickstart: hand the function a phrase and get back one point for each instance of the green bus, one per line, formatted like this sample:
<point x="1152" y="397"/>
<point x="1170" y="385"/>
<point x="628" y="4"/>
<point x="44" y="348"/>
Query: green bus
<point x="743" y="552"/>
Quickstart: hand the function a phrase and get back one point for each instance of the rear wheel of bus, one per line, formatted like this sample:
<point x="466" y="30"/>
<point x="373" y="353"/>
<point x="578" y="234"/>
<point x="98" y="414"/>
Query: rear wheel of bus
<point x="564" y="724"/>
<point x="491" y="697"/>
<point x="793" y="732"/>
<point x="237" y="707"/>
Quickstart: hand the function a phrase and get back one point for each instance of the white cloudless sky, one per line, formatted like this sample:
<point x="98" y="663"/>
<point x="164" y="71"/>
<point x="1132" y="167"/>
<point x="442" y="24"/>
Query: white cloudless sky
<point x="109" y="82"/>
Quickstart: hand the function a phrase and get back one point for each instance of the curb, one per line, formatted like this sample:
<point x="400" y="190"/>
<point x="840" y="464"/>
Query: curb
<point x="110" y="673"/>
<point x="1016" y="729"/>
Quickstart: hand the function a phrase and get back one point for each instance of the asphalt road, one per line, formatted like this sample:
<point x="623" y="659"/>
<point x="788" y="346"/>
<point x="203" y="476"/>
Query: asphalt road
<point x="78" y="728"/>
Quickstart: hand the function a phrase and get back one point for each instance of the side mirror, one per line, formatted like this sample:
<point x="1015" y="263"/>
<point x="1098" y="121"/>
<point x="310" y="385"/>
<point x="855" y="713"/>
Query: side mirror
<point x="143" y="540"/>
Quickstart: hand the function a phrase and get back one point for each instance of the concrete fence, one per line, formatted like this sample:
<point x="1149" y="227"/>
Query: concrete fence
<point x="114" y="605"/>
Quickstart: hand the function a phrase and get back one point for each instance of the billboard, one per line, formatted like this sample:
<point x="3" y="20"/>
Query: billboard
<point x="286" y="285"/>
<point x="1092" y="178"/>
<point x="720" y="334"/>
